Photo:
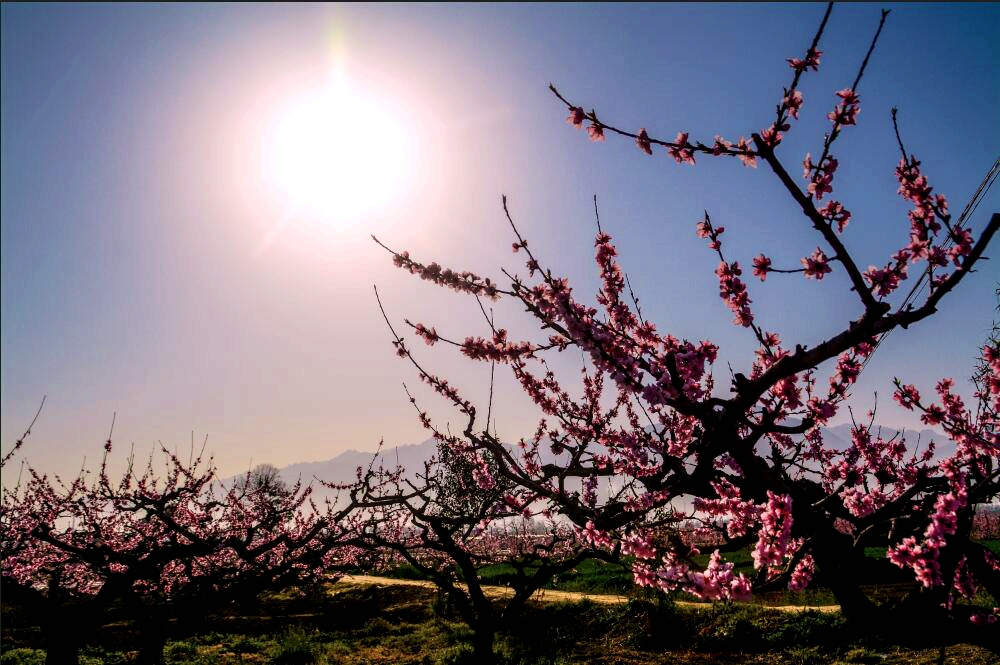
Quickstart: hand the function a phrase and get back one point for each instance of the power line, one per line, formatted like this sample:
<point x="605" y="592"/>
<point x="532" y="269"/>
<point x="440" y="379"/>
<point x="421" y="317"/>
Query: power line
<point x="970" y="209"/>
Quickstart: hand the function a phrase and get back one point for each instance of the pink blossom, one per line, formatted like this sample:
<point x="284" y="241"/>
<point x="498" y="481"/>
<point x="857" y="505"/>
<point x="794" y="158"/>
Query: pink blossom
<point x="721" y="146"/>
<point x="807" y="166"/>
<point x="429" y="335"/>
<point x="595" y="132"/>
<point x="848" y="96"/>
<point x="907" y="396"/>
<point x="761" y="266"/>
<point x="811" y="61"/>
<point x="772" y="135"/>
<point x="743" y="146"/>
<point x="793" y="102"/>
<point x="802" y="574"/>
<point x="883" y="281"/>
<point x="643" y="142"/>
<point x="820" y="185"/>
<point x="816" y="264"/>
<point x="681" y="151"/>
<point x="834" y="213"/>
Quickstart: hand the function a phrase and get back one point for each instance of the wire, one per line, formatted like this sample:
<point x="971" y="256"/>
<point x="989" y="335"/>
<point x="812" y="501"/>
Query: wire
<point x="970" y="209"/>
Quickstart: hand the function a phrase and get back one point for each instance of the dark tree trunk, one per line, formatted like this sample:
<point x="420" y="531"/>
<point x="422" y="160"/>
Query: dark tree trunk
<point x="153" y="640"/>
<point x="482" y="645"/>
<point x="61" y="638"/>
<point x="841" y="569"/>
<point x="918" y="620"/>
<point x="153" y="616"/>
<point x="61" y="627"/>
<point x="62" y="652"/>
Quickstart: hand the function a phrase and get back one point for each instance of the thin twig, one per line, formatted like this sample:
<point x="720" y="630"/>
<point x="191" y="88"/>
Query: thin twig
<point x="27" y="433"/>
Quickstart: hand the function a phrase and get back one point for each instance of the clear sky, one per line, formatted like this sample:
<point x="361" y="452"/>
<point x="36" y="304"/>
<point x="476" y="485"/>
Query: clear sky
<point x="172" y="252"/>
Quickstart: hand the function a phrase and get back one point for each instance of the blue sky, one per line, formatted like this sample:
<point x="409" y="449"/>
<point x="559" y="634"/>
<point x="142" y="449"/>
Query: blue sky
<point x="154" y="266"/>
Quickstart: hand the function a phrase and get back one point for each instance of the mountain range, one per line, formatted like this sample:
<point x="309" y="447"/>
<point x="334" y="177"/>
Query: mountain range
<point x="343" y="467"/>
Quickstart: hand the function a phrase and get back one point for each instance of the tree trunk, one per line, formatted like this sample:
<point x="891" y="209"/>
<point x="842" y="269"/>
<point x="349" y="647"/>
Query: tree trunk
<point x="482" y="645"/>
<point x="840" y="567"/>
<point x="154" y="639"/>
<point x="62" y="652"/>
<point x="153" y="616"/>
<point x="61" y="629"/>
<point x="61" y="637"/>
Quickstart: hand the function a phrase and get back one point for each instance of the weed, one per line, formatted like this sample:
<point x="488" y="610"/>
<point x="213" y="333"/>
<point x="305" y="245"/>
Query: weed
<point x="296" y="647"/>
<point x="22" y="657"/>
<point x="180" y="652"/>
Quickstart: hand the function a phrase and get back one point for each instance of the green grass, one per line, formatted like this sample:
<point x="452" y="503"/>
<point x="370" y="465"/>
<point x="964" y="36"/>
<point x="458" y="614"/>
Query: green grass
<point x="881" y="580"/>
<point x="588" y="577"/>
<point x="400" y="625"/>
<point x="297" y="646"/>
<point x="22" y="657"/>
<point x="992" y="545"/>
<point x="414" y="625"/>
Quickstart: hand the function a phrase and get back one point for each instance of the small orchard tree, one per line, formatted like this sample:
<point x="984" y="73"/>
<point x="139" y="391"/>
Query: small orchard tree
<point x="165" y="539"/>
<point x="457" y="516"/>
<point x="265" y="477"/>
<point x="752" y="461"/>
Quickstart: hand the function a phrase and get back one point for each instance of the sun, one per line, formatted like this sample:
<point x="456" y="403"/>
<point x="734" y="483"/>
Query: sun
<point x="340" y="154"/>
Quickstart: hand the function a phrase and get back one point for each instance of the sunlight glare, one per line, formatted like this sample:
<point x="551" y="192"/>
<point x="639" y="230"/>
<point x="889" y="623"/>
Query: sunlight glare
<point x="340" y="154"/>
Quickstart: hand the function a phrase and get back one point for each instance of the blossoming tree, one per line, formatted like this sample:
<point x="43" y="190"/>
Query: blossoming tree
<point x="751" y="461"/>
<point x="455" y="518"/>
<point x="164" y="539"/>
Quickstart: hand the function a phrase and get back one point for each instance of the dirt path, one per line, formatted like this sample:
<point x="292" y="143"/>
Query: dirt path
<point x="554" y="596"/>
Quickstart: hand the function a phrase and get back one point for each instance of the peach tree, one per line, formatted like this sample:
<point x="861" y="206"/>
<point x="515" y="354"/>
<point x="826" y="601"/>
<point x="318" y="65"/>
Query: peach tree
<point x="750" y="462"/>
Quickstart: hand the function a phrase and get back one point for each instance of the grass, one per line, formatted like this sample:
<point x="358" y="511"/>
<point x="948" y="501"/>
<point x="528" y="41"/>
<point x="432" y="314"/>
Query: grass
<point x="345" y="625"/>
<point x="882" y="580"/>
<point x="407" y="625"/>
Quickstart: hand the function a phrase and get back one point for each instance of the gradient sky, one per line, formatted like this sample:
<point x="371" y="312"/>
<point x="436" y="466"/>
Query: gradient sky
<point x="154" y="266"/>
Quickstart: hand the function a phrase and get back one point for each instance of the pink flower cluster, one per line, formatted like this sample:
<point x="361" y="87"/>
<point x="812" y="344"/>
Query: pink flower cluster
<point x="885" y="280"/>
<point x="463" y="282"/>
<point x="834" y="213"/>
<point x="734" y="292"/>
<point x="576" y="117"/>
<point x="802" y="574"/>
<point x="927" y="210"/>
<point x="772" y="136"/>
<point x="820" y="176"/>
<point x="922" y="557"/>
<point x="716" y="582"/>
<point x="741" y="515"/>
<point x="497" y="349"/>
<point x="775" y="532"/>
<point x="811" y="61"/>
<point x="429" y="335"/>
<point x="593" y="536"/>
<point x="681" y="150"/>
<point x="742" y="151"/>
<point x="482" y="475"/>
<point x="793" y="102"/>
<point x="845" y="113"/>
